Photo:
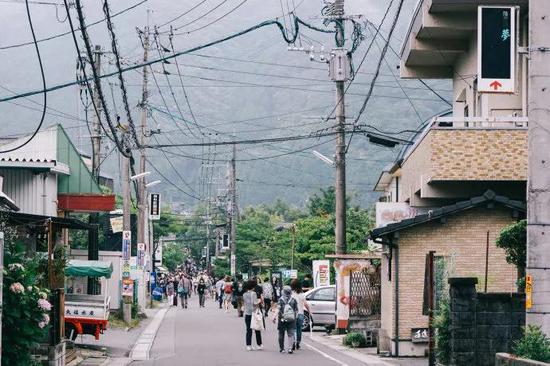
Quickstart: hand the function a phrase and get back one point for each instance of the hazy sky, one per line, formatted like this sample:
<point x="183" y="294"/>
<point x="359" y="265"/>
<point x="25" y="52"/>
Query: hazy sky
<point x="215" y="95"/>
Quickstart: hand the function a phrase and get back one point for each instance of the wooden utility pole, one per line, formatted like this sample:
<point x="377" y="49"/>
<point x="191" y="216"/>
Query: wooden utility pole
<point x="233" y="210"/>
<point x="538" y="187"/>
<point x="96" y="127"/>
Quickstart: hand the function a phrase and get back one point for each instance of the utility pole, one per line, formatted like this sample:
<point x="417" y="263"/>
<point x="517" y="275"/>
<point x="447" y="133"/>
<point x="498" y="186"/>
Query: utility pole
<point x="142" y="189"/>
<point x="233" y="210"/>
<point x="538" y="190"/>
<point x="96" y="129"/>
<point x="340" y="58"/>
<point x="126" y="224"/>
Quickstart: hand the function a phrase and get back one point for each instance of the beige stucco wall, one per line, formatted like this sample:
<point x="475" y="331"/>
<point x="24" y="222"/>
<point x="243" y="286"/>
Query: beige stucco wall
<point x="462" y="241"/>
<point x="417" y="164"/>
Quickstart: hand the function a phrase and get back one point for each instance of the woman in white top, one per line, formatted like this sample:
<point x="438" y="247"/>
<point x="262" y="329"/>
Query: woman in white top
<point x="300" y="297"/>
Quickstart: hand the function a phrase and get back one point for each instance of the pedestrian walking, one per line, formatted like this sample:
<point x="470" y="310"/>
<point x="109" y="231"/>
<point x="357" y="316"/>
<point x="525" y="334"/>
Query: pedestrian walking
<point x="286" y="317"/>
<point x="219" y="291"/>
<point x="253" y="317"/>
<point x="184" y="290"/>
<point x="300" y="297"/>
<point x="201" y="290"/>
<point x="227" y="294"/>
<point x="238" y="292"/>
<point x="176" y="287"/>
<point x="268" y="295"/>
<point x="170" y="292"/>
<point x="276" y="288"/>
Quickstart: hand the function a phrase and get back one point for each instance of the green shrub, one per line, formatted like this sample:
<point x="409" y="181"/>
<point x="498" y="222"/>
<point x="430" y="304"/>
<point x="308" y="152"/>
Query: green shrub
<point x="534" y="345"/>
<point x="26" y="309"/>
<point x="355" y="337"/>
<point x="442" y="325"/>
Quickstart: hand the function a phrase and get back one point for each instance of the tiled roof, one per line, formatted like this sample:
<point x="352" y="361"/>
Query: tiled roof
<point x="438" y="213"/>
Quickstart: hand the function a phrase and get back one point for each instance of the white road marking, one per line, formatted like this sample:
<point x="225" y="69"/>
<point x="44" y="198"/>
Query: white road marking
<point x="326" y="355"/>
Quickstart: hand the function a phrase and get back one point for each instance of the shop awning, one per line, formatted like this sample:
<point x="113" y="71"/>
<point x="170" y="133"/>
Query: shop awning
<point x="83" y="268"/>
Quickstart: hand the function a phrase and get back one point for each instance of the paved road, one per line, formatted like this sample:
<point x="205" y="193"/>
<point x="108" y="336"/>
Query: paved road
<point x="210" y="337"/>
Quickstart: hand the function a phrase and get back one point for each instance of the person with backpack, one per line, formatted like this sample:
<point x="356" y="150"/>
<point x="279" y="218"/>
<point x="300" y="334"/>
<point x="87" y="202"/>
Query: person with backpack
<point x="286" y="317"/>
<point x="268" y="295"/>
<point x="227" y="293"/>
<point x="219" y="291"/>
<point x="253" y="317"/>
<point x="170" y="292"/>
<point x="300" y="297"/>
<point x="238" y="291"/>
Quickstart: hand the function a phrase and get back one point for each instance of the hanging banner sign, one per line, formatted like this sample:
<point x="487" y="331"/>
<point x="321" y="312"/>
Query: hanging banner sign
<point x="116" y="224"/>
<point x="126" y="244"/>
<point x="154" y="206"/>
<point x="127" y="287"/>
<point x="496" y="49"/>
<point x="321" y="273"/>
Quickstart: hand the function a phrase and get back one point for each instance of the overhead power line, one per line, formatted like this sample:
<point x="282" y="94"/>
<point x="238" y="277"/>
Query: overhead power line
<point x="43" y="77"/>
<point x="289" y="40"/>
<point x="69" y="32"/>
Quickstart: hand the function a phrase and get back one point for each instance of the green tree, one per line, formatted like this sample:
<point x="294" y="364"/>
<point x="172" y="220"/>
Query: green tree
<point x="323" y="203"/>
<point x="513" y="239"/>
<point x="173" y="255"/>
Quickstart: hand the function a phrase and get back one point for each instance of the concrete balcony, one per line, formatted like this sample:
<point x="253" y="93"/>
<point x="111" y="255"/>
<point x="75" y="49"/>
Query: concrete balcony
<point x="457" y="158"/>
<point x="439" y="33"/>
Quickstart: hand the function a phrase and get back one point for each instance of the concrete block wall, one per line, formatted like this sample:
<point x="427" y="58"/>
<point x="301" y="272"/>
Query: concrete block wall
<point x="482" y="325"/>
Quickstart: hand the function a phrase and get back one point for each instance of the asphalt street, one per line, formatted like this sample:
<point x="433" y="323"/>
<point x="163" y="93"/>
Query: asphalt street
<point x="210" y="337"/>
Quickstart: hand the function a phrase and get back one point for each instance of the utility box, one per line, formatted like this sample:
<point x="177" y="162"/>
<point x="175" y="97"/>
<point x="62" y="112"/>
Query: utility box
<point x="339" y="65"/>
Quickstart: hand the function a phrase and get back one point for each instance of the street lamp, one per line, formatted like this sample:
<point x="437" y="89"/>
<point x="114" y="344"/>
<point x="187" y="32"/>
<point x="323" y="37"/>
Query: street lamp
<point x="292" y="228"/>
<point x="139" y="176"/>
<point x="153" y="183"/>
<point x="323" y="158"/>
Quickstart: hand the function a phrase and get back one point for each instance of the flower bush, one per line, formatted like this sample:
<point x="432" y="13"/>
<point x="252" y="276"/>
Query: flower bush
<point x="25" y="313"/>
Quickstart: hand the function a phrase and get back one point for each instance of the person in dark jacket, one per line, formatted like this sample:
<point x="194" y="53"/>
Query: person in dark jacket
<point x="238" y="291"/>
<point x="201" y="289"/>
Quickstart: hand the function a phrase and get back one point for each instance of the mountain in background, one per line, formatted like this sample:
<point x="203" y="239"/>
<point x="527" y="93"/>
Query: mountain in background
<point x="251" y="87"/>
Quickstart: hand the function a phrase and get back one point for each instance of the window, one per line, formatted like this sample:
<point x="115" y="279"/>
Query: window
<point x="325" y="294"/>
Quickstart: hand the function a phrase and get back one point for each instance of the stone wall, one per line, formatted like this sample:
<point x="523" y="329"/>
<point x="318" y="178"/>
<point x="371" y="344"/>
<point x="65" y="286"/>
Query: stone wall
<point x="482" y="324"/>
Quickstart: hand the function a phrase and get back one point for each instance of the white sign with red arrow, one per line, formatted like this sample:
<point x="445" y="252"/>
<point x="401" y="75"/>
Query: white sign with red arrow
<point x="496" y="49"/>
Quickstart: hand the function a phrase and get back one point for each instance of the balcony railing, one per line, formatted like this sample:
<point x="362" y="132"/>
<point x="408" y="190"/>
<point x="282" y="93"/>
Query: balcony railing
<point x="504" y="123"/>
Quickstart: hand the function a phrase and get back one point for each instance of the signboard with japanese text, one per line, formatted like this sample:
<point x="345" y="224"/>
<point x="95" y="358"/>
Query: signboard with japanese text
<point x="321" y="273"/>
<point x="154" y="206"/>
<point x="496" y="49"/>
<point x="126" y="244"/>
<point x="116" y="224"/>
<point x="419" y="335"/>
<point x="528" y="292"/>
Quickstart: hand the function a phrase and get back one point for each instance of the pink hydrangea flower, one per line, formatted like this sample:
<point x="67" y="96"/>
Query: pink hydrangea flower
<point x="41" y="325"/>
<point x="17" y="288"/>
<point x="44" y="305"/>
<point x="46" y="318"/>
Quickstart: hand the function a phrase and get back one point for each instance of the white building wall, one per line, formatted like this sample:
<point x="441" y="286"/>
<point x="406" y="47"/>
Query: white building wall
<point x="33" y="193"/>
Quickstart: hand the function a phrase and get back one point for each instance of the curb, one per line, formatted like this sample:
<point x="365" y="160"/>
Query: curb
<point x="142" y="348"/>
<point x="365" y="358"/>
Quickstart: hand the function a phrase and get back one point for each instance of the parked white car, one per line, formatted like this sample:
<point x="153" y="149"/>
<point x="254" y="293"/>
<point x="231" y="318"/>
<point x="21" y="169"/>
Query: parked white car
<point x="322" y="307"/>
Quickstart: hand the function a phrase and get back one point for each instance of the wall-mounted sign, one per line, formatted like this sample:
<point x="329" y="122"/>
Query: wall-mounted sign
<point x="116" y="224"/>
<point x="496" y="49"/>
<point x="420" y="335"/>
<point x="390" y="212"/>
<point x="154" y="206"/>
<point x="528" y="292"/>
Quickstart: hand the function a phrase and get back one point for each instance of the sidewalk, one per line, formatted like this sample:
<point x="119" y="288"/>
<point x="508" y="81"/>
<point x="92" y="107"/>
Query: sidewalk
<point x="365" y="355"/>
<point x="114" y="346"/>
